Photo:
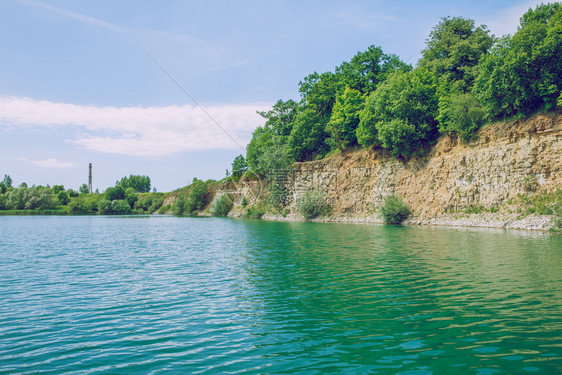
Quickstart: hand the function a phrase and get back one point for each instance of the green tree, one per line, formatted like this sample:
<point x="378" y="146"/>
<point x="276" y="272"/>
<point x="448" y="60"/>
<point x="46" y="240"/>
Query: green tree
<point x="523" y="73"/>
<point x="131" y="197"/>
<point x="405" y="108"/>
<point x="83" y="189"/>
<point x="120" y="207"/>
<point x="7" y="181"/>
<point x="221" y="206"/>
<point x="104" y="207"/>
<point x="345" y="118"/>
<point x="318" y="91"/>
<point x="368" y="117"/>
<point x="368" y="69"/>
<point x="239" y="166"/>
<point x="262" y="139"/>
<point x="141" y="184"/>
<point x="394" y="210"/>
<point x="454" y="48"/>
<point x="114" y="193"/>
<point x="308" y="137"/>
<point x="57" y="189"/>
<point x="63" y="198"/>
<point x="280" y="118"/>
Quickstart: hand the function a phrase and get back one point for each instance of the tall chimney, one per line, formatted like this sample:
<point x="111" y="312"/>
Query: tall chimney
<point x="90" y="180"/>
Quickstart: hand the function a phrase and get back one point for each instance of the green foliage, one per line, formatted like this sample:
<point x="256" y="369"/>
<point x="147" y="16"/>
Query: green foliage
<point x="255" y="211"/>
<point x="131" y="197"/>
<point x="57" y="189"/>
<point x="460" y="114"/>
<point x="114" y="193"/>
<point x="194" y="200"/>
<point x="366" y="130"/>
<point x="120" y="207"/>
<point x="318" y="91"/>
<point x="34" y="198"/>
<point x="141" y="184"/>
<point x="178" y="207"/>
<point x="104" y="207"/>
<point x="454" y="48"/>
<point x="63" y="197"/>
<point x="262" y="140"/>
<point x="307" y="139"/>
<point x="164" y="209"/>
<point x="394" y="210"/>
<point x="239" y="166"/>
<point x="83" y="189"/>
<point x="280" y="118"/>
<point x="221" y="205"/>
<point x="313" y="204"/>
<point x="523" y="73"/>
<point x="7" y="182"/>
<point x="345" y="118"/>
<point x="197" y="196"/>
<point x="368" y="69"/>
<point x="403" y="112"/>
<point x="72" y="193"/>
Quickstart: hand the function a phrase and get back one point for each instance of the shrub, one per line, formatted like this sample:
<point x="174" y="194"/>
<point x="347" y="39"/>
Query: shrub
<point x="221" y="205"/>
<point x="255" y="211"/>
<point x="104" y="207"/>
<point x="394" y="210"/>
<point x="313" y="204"/>
<point x="63" y="198"/>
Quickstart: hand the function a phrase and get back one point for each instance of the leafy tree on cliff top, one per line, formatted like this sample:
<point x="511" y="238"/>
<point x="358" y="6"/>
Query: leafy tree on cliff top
<point x="345" y="118"/>
<point x="402" y="113"/>
<point x="523" y="73"/>
<point x="141" y="184"/>
<point x="368" y="69"/>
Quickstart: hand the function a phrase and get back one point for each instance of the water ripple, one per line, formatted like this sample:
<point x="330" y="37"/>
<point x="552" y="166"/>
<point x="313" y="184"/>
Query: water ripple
<point x="155" y="295"/>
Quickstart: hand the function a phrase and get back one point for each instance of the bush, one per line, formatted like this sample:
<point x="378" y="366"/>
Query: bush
<point x="221" y="205"/>
<point x="394" y="210"/>
<point x="255" y="211"/>
<point x="104" y="207"/>
<point x="63" y="198"/>
<point x="313" y="204"/>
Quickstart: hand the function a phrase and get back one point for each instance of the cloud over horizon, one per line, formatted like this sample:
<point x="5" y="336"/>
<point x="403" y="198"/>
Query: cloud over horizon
<point x="138" y="131"/>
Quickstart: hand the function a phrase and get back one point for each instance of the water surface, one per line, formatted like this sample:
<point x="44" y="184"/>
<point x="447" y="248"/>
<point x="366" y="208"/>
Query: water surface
<point x="183" y="295"/>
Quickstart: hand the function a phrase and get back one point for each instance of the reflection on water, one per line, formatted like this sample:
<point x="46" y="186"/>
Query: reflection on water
<point x="121" y="295"/>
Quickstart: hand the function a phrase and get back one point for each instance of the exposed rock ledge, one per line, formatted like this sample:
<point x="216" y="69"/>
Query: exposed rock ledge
<point x="508" y="160"/>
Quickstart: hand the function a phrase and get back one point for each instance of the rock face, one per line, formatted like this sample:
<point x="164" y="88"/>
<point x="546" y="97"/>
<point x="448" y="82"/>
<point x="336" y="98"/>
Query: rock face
<point x="507" y="159"/>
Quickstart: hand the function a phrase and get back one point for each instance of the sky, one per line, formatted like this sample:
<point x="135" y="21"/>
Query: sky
<point x="170" y="88"/>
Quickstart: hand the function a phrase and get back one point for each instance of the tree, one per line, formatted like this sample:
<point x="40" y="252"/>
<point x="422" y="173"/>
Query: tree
<point x="404" y="110"/>
<point x="366" y="130"/>
<point x="239" y="166"/>
<point x="318" y="91"/>
<point x="280" y="117"/>
<point x="83" y="189"/>
<point x="523" y="73"/>
<point x="308" y="136"/>
<point x="7" y="181"/>
<point x="63" y="198"/>
<point x="141" y="184"/>
<point x="262" y="139"/>
<point x="454" y="48"/>
<point x="345" y="118"/>
<point x="57" y="189"/>
<point x="114" y="193"/>
<point x="131" y="197"/>
<point x="368" y="69"/>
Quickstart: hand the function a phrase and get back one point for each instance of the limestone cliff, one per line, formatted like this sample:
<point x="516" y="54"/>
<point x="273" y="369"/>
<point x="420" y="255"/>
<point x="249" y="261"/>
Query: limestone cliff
<point x="507" y="160"/>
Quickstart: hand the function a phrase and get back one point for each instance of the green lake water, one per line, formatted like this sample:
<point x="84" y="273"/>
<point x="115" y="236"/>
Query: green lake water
<point x="121" y="295"/>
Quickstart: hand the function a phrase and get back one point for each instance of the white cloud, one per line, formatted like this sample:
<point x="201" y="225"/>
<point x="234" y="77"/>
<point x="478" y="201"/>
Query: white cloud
<point x="506" y="21"/>
<point x="52" y="163"/>
<point x="141" y="131"/>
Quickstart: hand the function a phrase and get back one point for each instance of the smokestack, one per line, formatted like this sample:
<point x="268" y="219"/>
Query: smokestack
<point x="90" y="180"/>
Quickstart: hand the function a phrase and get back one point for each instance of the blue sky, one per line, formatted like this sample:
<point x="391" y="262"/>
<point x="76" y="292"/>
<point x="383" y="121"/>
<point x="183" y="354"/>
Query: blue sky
<point x="78" y="84"/>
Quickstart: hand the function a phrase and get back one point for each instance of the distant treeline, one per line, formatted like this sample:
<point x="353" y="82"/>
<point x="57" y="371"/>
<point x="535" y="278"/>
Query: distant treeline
<point x="465" y="78"/>
<point x="130" y="195"/>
